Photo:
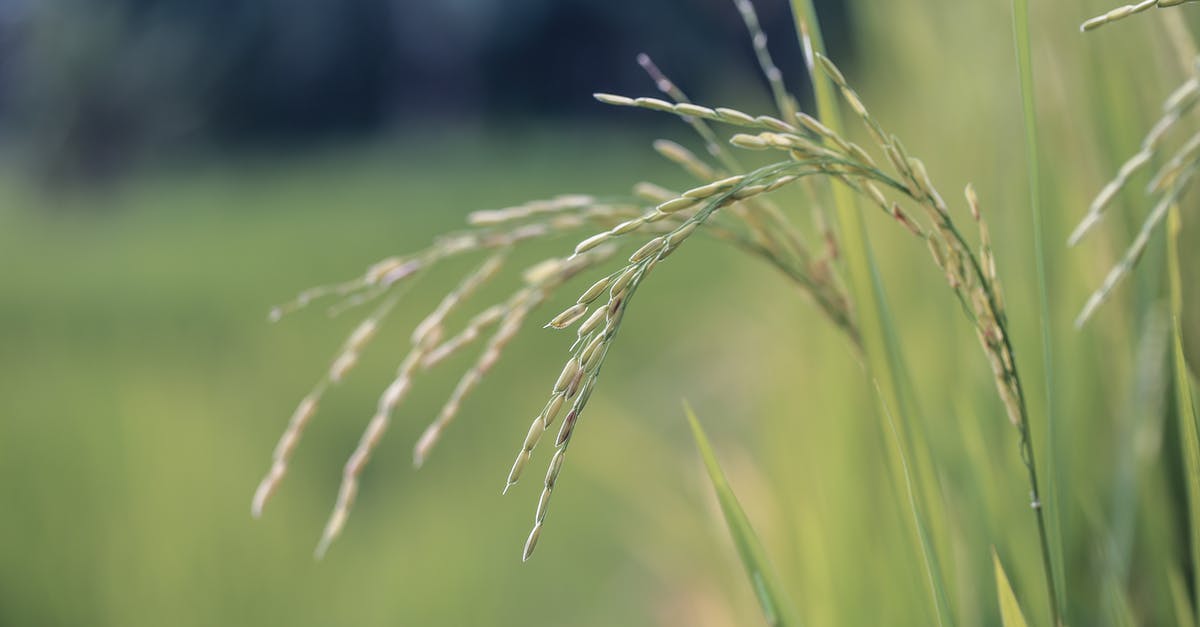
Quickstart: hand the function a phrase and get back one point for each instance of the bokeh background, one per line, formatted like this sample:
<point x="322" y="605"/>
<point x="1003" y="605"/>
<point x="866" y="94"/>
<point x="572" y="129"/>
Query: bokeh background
<point x="170" y="169"/>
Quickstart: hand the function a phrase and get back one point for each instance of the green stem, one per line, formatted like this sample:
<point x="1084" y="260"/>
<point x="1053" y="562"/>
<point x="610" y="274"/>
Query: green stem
<point x="1185" y="405"/>
<point x="1053" y="575"/>
<point x="881" y="346"/>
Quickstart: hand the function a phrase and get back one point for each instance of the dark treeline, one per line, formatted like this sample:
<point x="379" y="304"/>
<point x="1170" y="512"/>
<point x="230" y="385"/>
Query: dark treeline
<point x="89" y="86"/>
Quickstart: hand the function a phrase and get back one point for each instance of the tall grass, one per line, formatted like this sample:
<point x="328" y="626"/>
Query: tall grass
<point x="1185" y="404"/>
<point x="884" y="358"/>
<point x="774" y="602"/>
<point x="1049" y="539"/>
<point x="738" y="205"/>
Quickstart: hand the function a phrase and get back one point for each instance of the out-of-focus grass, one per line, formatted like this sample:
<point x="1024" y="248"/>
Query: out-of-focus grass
<point x="141" y="389"/>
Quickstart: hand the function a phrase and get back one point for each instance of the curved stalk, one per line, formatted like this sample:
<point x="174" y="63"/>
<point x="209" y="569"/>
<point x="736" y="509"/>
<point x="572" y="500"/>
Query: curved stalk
<point x="1053" y="574"/>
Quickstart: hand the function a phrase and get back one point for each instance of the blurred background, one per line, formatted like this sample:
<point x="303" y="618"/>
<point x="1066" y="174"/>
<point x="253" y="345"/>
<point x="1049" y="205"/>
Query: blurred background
<point x="170" y="169"/>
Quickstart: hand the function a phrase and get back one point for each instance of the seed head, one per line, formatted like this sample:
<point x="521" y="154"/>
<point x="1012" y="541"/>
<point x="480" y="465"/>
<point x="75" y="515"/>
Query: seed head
<point x="569" y="316"/>
<point x="612" y="99"/>
<point x="649" y="248"/>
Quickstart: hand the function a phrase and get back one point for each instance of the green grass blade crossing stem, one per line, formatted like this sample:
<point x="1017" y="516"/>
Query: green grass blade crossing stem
<point x="1010" y="610"/>
<point x="775" y="607"/>
<point x="1050" y="539"/>
<point x="881" y="345"/>
<point x="1189" y="421"/>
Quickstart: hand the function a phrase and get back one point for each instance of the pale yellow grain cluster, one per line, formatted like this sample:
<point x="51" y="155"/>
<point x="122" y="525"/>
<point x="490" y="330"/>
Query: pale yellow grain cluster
<point x="723" y="115"/>
<point x="972" y="276"/>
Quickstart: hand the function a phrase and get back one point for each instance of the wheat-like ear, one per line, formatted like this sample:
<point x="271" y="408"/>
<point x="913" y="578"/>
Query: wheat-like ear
<point x="1167" y="183"/>
<point x="1118" y="13"/>
<point x="1138" y="247"/>
<point x="522" y="306"/>
<point x="541" y="281"/>
<point x="672" y="219"/>
<point x="728" y="203"/>
<point x="384" y="275"/>
<point x="774" y="237"/>
<point x="595" y="335"/>
<point x="1127" y="10"/>
<point x="424" y="338"/>
<point x="1180" y="102"/>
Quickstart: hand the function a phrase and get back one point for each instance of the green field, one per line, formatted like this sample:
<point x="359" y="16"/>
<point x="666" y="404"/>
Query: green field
<point x="142" y="388"/>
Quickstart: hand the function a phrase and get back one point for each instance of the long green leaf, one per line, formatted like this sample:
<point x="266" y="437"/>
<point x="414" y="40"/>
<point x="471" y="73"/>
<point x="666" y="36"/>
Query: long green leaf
<point x="1010" y="610"/>
<point x="1189" y="422"/>
<point x="770" y="596"/>
<point x="883" y="354"/>
<point x="1051" y="539"/>
<point x="1184" y="617"/>
<point x="1186" y="409"/>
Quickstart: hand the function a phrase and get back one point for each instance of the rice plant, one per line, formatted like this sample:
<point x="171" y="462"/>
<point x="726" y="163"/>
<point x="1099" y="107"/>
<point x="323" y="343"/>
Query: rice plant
<point x="619" y="241"/>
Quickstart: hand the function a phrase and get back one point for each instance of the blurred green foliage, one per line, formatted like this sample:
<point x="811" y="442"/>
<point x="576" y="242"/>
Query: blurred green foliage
<point x="141" y="389"/>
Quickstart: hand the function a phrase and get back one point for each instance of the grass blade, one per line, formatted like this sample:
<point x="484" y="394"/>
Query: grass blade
<point x="1189" y="421"/>
<point x="1051" y="539"/>
<point x="1010" y="610"/>
<point x="883" y="354"/>
<point x="1190" y="440"/>
<point x="749" y="549"/>
<point x="1184" y="617"/>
